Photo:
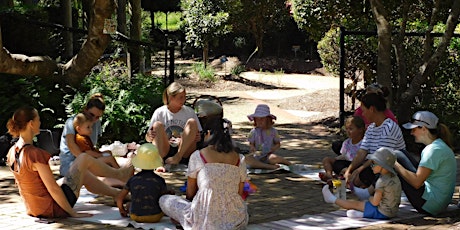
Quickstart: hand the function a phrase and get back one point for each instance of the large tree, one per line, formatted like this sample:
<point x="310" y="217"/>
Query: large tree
<point x="205" y="21"/>
<point x="391" y="20"/>
<point x="75" y="70"/>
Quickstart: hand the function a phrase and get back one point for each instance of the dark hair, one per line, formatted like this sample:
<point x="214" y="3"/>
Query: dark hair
<point x="96" y="100"/>
<point x="443" y="132"/>
<point x="357" y="121"/>
<point x="21" y="117"/>
<point x="220" y="134"/>
<point x="374" y="99"/>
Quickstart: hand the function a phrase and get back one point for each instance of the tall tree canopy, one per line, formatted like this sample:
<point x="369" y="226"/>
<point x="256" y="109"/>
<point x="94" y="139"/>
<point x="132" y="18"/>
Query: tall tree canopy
<point x="391" y="20"/>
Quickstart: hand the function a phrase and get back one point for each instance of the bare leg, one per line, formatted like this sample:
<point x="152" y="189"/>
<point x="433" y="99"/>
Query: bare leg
<point x="96" y="186"/>
<point x="275" y="159"/>
<point x="327" y="164"/>
<point x="110" y="160"/>
<point x="254" y="163"/>
<point x="351" y="204"/>
<point x="85" y="162"/>
<point x="188" y="143"/>
<point x="160" y="140"/>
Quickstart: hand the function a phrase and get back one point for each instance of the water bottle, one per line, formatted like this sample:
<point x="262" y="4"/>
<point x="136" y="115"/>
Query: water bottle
<point x="339" y="188"/>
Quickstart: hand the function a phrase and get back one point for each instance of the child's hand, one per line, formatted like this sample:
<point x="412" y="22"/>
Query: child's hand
<point x="160" y="169"/>
<point x="123" y="211"/>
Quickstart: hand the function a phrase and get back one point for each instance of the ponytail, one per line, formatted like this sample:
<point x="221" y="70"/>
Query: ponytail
<point x="443" y="132"/>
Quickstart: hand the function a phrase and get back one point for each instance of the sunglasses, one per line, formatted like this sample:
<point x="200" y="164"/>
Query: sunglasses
<point x="373" y="164"/>
<point x="94" y="115"/>
<point x="414" y="120"/>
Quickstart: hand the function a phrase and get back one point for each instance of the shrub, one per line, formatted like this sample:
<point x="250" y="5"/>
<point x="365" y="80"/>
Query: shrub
<point x="204" y="74"/>
<point x="129" y="102"/>
<point x="237" y="70"/>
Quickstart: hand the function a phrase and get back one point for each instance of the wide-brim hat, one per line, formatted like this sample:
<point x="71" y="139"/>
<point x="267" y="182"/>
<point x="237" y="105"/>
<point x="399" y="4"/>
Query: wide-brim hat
<point x="262" y="110"/>
<point x="384" y="157"/>
<point x="423" y="118"/>
<point x="147" y="157"/>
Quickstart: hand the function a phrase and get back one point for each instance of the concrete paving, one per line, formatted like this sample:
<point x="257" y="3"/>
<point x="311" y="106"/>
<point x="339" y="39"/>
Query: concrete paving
<point x="279" y="196"/>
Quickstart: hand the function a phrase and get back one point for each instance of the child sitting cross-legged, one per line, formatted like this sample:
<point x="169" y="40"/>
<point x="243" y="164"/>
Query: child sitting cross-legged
<point x="355" y="129"/>
<point x="264" y="140"/>
<point x="387" y="196"/>
<point x="146" y="187"/>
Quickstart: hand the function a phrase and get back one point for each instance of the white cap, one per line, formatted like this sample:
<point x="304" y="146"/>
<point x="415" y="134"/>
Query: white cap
<point x="423" y="118"/>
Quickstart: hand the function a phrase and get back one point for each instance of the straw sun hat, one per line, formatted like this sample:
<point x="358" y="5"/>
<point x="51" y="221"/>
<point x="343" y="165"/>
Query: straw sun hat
<point x="262" y="110"/>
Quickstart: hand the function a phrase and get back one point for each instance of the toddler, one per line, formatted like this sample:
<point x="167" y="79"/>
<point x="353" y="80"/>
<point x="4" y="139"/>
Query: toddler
<point x="84" y="127"/>
<point x="387" y="195"/>
<point x="355" y="128"/>
<point x="264" y="140"/>
<point x="146" y="187"/>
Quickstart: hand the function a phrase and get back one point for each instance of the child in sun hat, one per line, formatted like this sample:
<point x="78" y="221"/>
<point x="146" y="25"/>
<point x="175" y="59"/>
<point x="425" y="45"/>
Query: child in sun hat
<point x="146" y="187"/>
<point x="387" y="196"/>
<point x="264" y="140"/>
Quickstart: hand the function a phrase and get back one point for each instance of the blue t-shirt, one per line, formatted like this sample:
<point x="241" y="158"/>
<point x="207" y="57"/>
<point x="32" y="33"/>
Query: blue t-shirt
<point x="65" y="156"/>
<point x="146" y="187"/>
<point x="440" y="184"/>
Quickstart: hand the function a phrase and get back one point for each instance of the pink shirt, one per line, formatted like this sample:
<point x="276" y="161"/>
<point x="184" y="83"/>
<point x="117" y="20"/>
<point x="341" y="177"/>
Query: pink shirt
<point x="388" y="114"/>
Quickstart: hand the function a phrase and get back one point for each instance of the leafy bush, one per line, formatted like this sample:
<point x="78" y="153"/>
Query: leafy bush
<point x="237" y="70"/>
<point x="204" y="74"/>
<point x="129" y="102"/>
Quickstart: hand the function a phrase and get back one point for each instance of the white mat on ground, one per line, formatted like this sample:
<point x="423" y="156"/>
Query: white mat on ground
<point x="337" y="220"/>
<point x="304" y="170"/>
<point x="104" y="214"/>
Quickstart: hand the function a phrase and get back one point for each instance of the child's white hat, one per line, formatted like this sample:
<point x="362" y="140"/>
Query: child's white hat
<point x="147" y="157"/>
<point x="385" y="157"/>
<point x="262" y="110"/>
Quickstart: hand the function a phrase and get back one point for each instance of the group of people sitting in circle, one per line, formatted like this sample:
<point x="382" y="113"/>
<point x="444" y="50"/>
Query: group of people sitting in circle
<point x="216" y="172"/>
<point x="376" y="166"/>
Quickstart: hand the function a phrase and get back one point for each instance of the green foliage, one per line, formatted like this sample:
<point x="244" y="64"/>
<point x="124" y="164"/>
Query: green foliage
<point x="174" y="21"/>
<point x="129" y="102"/>
<point x="205" y="20"/>
<point x="237" y="70"/>
<point x="204" y="73"/>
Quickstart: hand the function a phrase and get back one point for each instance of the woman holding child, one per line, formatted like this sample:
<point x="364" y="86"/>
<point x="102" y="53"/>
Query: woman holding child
<point x="430" y="183"/>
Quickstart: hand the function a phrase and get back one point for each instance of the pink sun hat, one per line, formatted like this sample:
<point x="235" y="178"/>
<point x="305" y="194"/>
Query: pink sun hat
<point x="262" y="110"/>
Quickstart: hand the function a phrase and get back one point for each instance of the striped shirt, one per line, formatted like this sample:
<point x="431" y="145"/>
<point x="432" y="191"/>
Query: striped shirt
<point x="388" y="134"/>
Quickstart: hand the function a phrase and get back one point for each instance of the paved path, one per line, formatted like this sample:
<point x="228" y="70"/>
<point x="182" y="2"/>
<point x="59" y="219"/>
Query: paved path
<point x="279" y="196"/>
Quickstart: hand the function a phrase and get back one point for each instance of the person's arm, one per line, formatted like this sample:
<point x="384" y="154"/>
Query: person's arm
<point x="192" y="188"/>
<point x="72" y="145"/>
<point x="121" y="208"/>
<point x="357" y="160"/>
<point x="55" y="190"/>
<point x="378" y="195"/>
<point x="275" y="147"/>
<point x="416" y="179"/>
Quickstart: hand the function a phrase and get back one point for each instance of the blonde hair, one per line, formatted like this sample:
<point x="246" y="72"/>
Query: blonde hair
<point x="79" y="120"/>
<point x="172" y="90"/>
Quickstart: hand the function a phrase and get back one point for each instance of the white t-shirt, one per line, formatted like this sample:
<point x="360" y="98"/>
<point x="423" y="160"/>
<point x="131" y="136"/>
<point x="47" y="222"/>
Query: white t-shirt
<point x="388" y="134"/>
<point x="174" y="122"/>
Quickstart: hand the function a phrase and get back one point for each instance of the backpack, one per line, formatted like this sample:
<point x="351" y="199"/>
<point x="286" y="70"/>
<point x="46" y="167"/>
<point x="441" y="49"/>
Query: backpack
<point x="6" y="141"/>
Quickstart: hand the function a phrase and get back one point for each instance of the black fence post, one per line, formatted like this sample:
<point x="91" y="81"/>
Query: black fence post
<point x="342" y="76"/>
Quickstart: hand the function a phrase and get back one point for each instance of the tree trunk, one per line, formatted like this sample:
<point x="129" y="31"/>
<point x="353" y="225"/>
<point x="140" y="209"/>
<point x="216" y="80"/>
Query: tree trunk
<point x="205" y="53"/>
<point x="66" y="7"/>
<point x="398" y="44"/>
<point x="384" y="45"/>
<point x="428" y="68"/>
<point x="121" y="17"/>
<point x="135" y="34"/>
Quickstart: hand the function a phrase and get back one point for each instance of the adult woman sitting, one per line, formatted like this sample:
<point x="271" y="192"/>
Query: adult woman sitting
<point x="382" y="132"/>
<point x="174" y="128"/>
<point x="69" y="150"/>
<point x="215" y="182"/>
<point x="42" y="195"/>
<point x="430" y="183"/>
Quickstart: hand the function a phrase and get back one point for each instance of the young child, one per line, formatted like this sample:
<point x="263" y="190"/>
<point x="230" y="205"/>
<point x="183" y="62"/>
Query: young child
<point x="387" y="196"/>
<point x="146" y="187"/>
<point x="264" y="140"/>
<point x="355" y="129"/>
<point x="84" y="127"/>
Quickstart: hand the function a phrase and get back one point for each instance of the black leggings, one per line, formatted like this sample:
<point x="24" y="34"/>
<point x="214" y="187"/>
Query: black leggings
<point x="413" y="195"/>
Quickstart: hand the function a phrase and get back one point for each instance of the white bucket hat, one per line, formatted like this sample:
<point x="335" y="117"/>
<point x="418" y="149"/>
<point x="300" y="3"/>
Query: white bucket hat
<point x="384" y="157"/>
<point x="262" y="110"/>
<point x="147" y="157"/>
<point x="423" y="118"/>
